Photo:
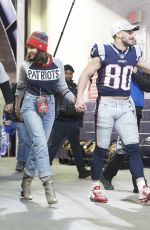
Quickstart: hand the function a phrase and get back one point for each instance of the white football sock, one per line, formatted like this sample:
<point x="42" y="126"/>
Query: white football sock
<point x="140" y="183"/>
<point x="95" y="183"/>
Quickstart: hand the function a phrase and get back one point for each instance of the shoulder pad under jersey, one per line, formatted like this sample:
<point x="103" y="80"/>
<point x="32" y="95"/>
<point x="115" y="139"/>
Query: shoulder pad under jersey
<point x="98" y="51"/>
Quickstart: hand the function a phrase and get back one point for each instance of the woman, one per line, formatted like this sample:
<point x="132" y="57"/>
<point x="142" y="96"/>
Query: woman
<point x="40" y="77"/>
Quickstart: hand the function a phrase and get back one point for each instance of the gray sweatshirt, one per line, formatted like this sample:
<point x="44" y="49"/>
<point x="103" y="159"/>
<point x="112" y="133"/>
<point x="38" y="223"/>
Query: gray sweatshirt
<point x="46" y="79"/>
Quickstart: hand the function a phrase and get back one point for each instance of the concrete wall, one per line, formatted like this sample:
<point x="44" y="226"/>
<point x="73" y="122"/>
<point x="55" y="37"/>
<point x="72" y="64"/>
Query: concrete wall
<point x="89" y="22"/>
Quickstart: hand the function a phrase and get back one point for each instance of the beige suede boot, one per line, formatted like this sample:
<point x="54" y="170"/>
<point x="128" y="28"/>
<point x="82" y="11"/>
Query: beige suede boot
<point x="49" y="189"/>
<point x="26" y="184"/>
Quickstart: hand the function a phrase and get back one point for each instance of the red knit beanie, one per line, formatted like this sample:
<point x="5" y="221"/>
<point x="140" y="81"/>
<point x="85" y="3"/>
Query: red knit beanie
<point x="39" y="40"/>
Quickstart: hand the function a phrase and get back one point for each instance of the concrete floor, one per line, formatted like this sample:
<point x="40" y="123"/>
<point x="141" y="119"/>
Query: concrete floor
<point x="74" y="210"/>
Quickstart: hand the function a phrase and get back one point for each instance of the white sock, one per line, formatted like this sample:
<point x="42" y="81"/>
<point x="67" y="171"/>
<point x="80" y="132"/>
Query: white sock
<point x="95" y="183"/>
<point x="140" y="183"/>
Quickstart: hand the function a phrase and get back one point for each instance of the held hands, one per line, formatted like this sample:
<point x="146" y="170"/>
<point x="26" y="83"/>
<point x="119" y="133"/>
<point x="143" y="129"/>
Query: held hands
<point x="80" y="105"/>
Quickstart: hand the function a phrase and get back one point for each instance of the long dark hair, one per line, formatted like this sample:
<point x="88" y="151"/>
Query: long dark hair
<point x="41" y="57"/>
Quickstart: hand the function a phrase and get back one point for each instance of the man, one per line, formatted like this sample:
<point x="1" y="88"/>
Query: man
<point x="137" y="93"/>
<point x="6" y="89"/>
<point x="24" y="140"/>
<point x="114" y="64"/>
<point x="67" y="125"/>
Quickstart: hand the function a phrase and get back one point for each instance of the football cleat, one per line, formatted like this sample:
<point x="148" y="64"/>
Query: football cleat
<point x="144" y="195"/>
<point x="97" y="195"/>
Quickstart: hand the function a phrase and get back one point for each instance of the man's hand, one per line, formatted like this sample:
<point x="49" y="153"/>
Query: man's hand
<point x="8" y="107"/>
<point x="80" y="105"/>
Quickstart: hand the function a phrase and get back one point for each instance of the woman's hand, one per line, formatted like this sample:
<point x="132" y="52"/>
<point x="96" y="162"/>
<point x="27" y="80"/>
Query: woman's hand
<point x="80" y="105"/>
<point x="18" y="113"/>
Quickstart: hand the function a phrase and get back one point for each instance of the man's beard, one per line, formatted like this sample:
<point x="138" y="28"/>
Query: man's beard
<point x="126" y="44"/>
<point x="129" y="43"/>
